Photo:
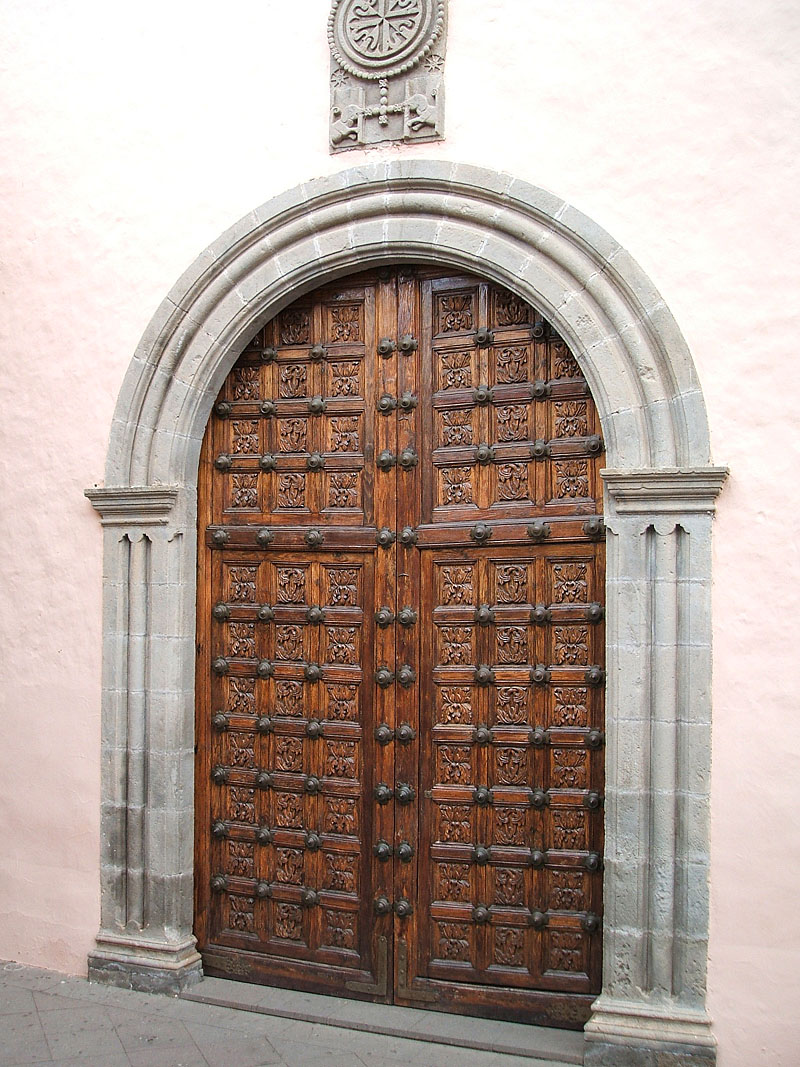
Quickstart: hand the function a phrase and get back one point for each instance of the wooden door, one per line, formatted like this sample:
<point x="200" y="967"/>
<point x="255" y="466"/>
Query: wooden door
<point x="400" y="655"/>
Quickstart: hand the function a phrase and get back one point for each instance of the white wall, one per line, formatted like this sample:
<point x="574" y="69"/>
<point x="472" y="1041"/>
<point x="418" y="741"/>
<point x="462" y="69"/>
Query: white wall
<point x="132" y="135"/>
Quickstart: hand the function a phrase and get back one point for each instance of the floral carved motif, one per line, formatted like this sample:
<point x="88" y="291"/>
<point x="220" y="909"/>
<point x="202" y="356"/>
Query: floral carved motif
<point x="512" y="766"/>
<point x="242" y="639"/>
<point x="292" y="491"/>
<point x="512" y="481"/>
<point x="245" y="383"/>
<point x="291" y="585"/>
<point x="564" y="365"/>
<point x="339" y="929"/>
<point x="572" y="478"/>
<point x="241" y="862"/>
<point x="566" y="951"/>
<point x="340" y="872"/>
<point x="292" y="380"/>
<point x="342" y="702"/>
<point x="512" y="704"/>
<point x="245" y="438"/>
<point x="289" y="642"/>
<point x="454" y="942"/>
<point x="345" y="323"/>
<point x="340" y="815"/>
<point x="289" y="810"/>
<point x="343" y="587"/>
<point x="456" y="823"/>
<point x="512" y="423"/>
<point x="244" y="491"/>
<point x="289" y="753"/>
<point x="569" y="829"/>
<point x="242" y="696"/>
<point x="512" y="584"/>
<point x="344" y="378"/>
<point x="456" y="645"/>
<point x="510" y="826"/>
<point x="293" y="435"/>
<point x="289" y="698"/>
<point x="512" y="364"/>
<point x="569" y="583"/>
<point x="243" y="584"/>
<point x="455" y="705"/>
<point x="344" y="431"/>
<point x="509" y="944"/>
<point x="241" y="917"/>
<point x="457" y="485"/>
<point x="455" y="312"/>
<point x="571" y="418"/>
<point x="566" y="891"/>
<point x="456" y="585"/>
<point x="455" y="764"/>
<point x="241" y="750"/>
<point x="342" y="645"/>
<point x="243" y="804"/>
<point x="571" y="645"/>
<point x="570" y="706"/>
<point x="456" y="370"/>
<point x="288" y="922"/>
<point x="343" y="492"/>
<point x="509" y="886"/>
<point x="454" y="882"/>
<point x="340" y="760"/>
<point x="456" y="427"/>
<point x="511" y="644"/>
<point x="295" y="327"/>
<point x="510" y="309"/>
<point x="289" y="864"/>
<point x="569" y="768"/>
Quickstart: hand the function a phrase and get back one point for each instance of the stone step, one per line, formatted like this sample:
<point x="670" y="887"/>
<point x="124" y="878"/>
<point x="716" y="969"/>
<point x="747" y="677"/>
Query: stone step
<point x="551" y="1048"/>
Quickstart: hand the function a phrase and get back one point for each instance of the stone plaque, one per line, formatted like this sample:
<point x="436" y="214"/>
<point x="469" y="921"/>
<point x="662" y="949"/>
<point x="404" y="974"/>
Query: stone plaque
<point x="387" y="71"/>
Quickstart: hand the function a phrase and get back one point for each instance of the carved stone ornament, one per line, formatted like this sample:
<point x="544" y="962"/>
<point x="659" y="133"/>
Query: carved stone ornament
<point x="387" y="71"/>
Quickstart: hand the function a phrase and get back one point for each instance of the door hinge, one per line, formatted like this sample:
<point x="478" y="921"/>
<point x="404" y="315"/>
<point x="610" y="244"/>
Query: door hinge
<point x="380" y="987"/>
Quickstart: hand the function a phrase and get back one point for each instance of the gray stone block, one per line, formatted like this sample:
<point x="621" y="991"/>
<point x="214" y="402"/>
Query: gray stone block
<point x="143" y="978"/>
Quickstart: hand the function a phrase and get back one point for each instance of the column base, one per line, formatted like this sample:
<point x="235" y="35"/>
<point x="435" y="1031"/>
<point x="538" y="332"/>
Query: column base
<point x="624" y="1033"/>
<point x="146" y="966"/>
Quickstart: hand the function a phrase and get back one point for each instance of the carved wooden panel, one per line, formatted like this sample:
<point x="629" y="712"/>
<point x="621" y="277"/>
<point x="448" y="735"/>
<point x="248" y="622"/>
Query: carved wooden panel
<point x="473" y="702"/>
<point x="310" y="367"/>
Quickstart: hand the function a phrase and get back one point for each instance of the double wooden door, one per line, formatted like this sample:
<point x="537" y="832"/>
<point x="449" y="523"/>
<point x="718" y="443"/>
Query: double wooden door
<point x="400" y="655"/>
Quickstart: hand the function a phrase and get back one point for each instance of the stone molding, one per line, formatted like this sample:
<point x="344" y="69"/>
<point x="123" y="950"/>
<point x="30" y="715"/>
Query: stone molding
<point x="660" y="490"/>
<point x="134" y="505"/>
<point x="686" y="490"/>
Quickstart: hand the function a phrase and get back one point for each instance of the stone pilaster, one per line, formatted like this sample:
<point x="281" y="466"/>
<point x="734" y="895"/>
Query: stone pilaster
<point x="145" y="940"/>
<point x="652" y="1009"/>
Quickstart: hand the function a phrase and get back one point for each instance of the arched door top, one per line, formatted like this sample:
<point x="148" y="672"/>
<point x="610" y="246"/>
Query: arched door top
<point x="629" y="346"/>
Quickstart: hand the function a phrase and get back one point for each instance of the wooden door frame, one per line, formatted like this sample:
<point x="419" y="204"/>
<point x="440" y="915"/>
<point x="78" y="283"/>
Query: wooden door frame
<point x="660" y="489"/>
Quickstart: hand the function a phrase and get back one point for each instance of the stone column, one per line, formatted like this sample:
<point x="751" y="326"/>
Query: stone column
<point x="145" y="940"/>
<point x="652" y="1009"/>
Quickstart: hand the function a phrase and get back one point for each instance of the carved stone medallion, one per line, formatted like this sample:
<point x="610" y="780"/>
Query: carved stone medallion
<point x="387" y="65"/>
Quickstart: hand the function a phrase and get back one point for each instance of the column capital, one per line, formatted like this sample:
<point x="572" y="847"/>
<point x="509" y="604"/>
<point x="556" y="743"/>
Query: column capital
<point x="134" y="505"/>
<point x="664" y="490"/>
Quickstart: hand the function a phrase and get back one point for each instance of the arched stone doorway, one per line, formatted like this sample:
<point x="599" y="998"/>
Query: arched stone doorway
<point x="660" y="490"/>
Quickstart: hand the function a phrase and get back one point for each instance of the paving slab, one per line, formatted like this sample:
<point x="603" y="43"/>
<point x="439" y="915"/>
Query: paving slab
<point x="486" y="1035"/>
<point x="50" y="1019"/>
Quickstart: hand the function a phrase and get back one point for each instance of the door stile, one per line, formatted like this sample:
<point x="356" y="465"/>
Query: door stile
<point x="409" y="690"/>
<point x="378" y="909"/>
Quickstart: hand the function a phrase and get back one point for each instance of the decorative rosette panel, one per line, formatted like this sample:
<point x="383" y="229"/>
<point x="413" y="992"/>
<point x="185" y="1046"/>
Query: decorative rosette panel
<point x="387" y="71"/>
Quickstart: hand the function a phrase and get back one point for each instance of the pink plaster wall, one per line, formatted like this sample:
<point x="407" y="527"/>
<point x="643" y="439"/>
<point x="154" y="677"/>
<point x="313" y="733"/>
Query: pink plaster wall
<point x="132" y="135"/>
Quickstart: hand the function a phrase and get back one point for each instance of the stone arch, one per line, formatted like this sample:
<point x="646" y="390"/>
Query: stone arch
<point x="660" y="491"/>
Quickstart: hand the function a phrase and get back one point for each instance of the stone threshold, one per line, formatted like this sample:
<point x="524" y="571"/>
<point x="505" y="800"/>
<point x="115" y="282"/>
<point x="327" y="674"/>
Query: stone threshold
<point x="555" y="1047"/>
